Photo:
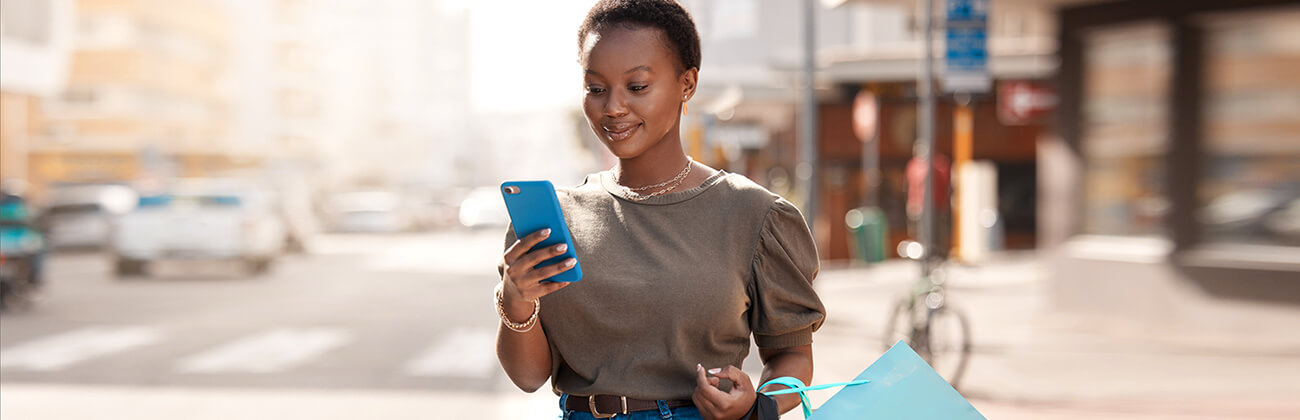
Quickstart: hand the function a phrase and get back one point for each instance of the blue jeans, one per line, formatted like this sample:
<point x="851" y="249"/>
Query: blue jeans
<point x="664" y="413"/>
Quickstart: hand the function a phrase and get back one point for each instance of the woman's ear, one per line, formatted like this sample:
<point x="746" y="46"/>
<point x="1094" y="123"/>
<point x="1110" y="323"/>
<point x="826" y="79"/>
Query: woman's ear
<point x="688" y="80"/>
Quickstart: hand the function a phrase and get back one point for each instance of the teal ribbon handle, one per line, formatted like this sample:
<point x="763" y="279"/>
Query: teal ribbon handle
<point x="797" y="386"/>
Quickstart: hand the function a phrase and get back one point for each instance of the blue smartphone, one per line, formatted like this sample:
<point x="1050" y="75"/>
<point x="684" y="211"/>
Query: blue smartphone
<point x="533" y="206"/>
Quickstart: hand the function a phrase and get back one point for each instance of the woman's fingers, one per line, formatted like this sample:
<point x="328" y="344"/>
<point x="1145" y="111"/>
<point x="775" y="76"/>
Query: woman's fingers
<point x="533" y="258"/>
<point x="530" y="285"/>
<point x="519" y="264"/>
<point x="707" y="387"/>
<point x="739" y="379"/>
<point x="524" y="244"/>
<point x="706" y="394"/>
<point x="700" y="378"/>
<point x="714" y="403"/>
<point x="734" y="374"/>
<point x="548" y="288"/>
<point x="543" y="273"/>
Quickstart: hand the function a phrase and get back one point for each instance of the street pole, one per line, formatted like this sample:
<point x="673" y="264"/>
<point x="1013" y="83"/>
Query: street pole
<point x="806" y="170"/>
<point x="870" y="146"/>
<point x="926" y="92"/>
<point x="963" y="145"/>
<point x="871" y="161"/>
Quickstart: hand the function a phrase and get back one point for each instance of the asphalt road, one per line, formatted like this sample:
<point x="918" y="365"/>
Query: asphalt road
<point x="360" y="312"/>
<point x="401" y="327"/>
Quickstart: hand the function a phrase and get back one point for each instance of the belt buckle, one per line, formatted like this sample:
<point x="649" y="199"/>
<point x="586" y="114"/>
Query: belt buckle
<point x="591" y="403"/>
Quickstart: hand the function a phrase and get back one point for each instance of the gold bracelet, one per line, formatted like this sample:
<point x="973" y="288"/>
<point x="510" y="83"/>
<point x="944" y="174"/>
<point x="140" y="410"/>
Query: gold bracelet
<point x="522" y="327"/>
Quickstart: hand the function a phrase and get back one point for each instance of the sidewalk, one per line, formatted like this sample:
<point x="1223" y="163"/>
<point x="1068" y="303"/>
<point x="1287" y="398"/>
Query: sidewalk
<point x="1031" y="361"/>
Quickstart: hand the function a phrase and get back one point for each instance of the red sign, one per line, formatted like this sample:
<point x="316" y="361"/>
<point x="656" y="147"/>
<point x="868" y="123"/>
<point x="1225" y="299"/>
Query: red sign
<point x="1021" y="103"/>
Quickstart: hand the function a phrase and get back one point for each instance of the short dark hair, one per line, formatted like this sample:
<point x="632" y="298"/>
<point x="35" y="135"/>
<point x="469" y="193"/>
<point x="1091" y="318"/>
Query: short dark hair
<point x="666" y="15"/>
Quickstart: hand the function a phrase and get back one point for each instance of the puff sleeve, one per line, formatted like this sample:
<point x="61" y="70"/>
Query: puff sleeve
<point x="785" y="310"/>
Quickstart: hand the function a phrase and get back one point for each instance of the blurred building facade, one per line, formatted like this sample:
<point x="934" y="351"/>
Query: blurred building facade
<point x="1160" y="175"/>
<point x="747" y="107"/>
<point x="744" y="116"/>
<point x="1163" y="183"/>
<point x="395" y="92"/>
<point x="276" y="84"/>
<point x="1172" y="177"/>
<point x="144" y="95"/>
<point x="354" y="95"/>
<point x="448" y="162"/>
<point x="341" y="92"/>
<point x="37" y="33"/>
<point x="886" y="62"/>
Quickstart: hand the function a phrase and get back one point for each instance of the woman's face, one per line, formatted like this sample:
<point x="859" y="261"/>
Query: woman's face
<point x="634" y="90"/>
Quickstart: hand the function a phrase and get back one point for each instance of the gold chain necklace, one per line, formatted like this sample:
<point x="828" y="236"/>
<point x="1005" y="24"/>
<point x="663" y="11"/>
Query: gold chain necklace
<point x="636" y="193"/>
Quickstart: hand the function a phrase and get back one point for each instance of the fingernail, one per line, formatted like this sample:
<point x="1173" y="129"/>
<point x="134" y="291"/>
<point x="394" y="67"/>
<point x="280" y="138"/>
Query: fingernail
<point x="546" y="232"/>
<point x="715" y="371"/>
<point x="699" y="366"/>
<point x="570" y="262"/>
<point x="561" y="247"/>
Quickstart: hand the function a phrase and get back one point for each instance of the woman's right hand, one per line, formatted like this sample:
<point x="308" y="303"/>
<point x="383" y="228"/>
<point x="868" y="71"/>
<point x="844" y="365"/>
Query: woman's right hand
<point x="526" y="357"/>
<point x="522" y="277"/>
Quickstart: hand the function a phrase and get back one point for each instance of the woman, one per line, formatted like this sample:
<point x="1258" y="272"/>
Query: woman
<point x="682" y="263"/>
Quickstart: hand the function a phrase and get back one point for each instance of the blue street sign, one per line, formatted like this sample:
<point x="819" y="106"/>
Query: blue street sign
<point x="966" y="55"/>
<point x="966" y="49"/>
<point x="968" y="10"/>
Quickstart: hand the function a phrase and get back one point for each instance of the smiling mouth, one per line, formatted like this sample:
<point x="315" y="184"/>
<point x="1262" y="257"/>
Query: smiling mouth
<point x="620" y="132"/>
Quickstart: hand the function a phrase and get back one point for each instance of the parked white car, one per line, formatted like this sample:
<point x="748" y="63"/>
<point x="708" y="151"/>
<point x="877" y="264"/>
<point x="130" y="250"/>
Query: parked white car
<point x="82" y="215"/>
<point x="200" y="220"/>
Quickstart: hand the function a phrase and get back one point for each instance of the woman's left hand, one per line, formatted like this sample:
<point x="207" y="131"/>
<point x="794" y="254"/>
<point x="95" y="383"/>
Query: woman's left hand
<point x="717" y="405"/>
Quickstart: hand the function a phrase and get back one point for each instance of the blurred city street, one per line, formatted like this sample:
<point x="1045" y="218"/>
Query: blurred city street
<point x="290" y="209"/>
<point x="401" y="326"/>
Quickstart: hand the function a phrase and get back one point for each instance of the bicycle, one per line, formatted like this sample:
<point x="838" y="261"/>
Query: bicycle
<point x="939" y="333"/>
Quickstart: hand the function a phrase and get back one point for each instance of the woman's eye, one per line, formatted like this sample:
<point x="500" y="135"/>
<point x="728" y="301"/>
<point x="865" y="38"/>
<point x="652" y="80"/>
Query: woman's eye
<point x="595" y="89"/>
<point x="637" y="88"/>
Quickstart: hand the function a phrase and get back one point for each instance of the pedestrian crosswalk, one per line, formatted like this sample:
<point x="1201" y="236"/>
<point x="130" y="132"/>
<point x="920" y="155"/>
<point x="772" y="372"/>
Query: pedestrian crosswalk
<point x="63" y="350"/>
<point x="460" y="355"/>
<point x="272" y="351"/>
<point x="466" y="353"/>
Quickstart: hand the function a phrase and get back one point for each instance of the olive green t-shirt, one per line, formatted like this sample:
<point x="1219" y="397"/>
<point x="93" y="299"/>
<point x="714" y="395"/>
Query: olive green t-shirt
<point x="676" y="280"/>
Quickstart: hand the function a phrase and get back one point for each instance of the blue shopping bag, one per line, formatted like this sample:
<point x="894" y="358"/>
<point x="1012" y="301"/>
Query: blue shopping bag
<point x="899" y="385"/>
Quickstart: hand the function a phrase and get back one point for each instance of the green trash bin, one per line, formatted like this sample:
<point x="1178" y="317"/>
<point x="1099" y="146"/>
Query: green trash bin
<point x="868" y="231"/>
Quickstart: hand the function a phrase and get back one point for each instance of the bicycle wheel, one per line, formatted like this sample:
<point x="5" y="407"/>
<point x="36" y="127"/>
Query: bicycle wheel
<point x="948" y="343"/>
<point x="900" y="326"/>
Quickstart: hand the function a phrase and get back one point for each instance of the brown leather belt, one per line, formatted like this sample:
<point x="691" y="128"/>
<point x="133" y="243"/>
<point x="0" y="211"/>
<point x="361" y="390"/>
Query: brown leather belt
<point x="606" y="406"/>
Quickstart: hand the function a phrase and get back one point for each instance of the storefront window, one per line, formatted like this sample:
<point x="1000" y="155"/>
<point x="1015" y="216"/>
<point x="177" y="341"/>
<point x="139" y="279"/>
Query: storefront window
<point x="1251" y="191"/>
<point x="1125" y="112"/>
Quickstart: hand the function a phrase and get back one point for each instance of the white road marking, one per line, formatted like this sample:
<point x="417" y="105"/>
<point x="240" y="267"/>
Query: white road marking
<point x="272" y="351"/>
<point x="60" y="351"/>
<point x="464" y="353"/>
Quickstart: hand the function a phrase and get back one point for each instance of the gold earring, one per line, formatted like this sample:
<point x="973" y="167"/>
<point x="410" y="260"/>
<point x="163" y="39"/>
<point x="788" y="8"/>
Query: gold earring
<point x="685" y="108"/>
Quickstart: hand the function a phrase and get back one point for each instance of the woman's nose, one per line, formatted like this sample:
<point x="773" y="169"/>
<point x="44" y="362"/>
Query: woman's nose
<point x="616" y="106"/>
